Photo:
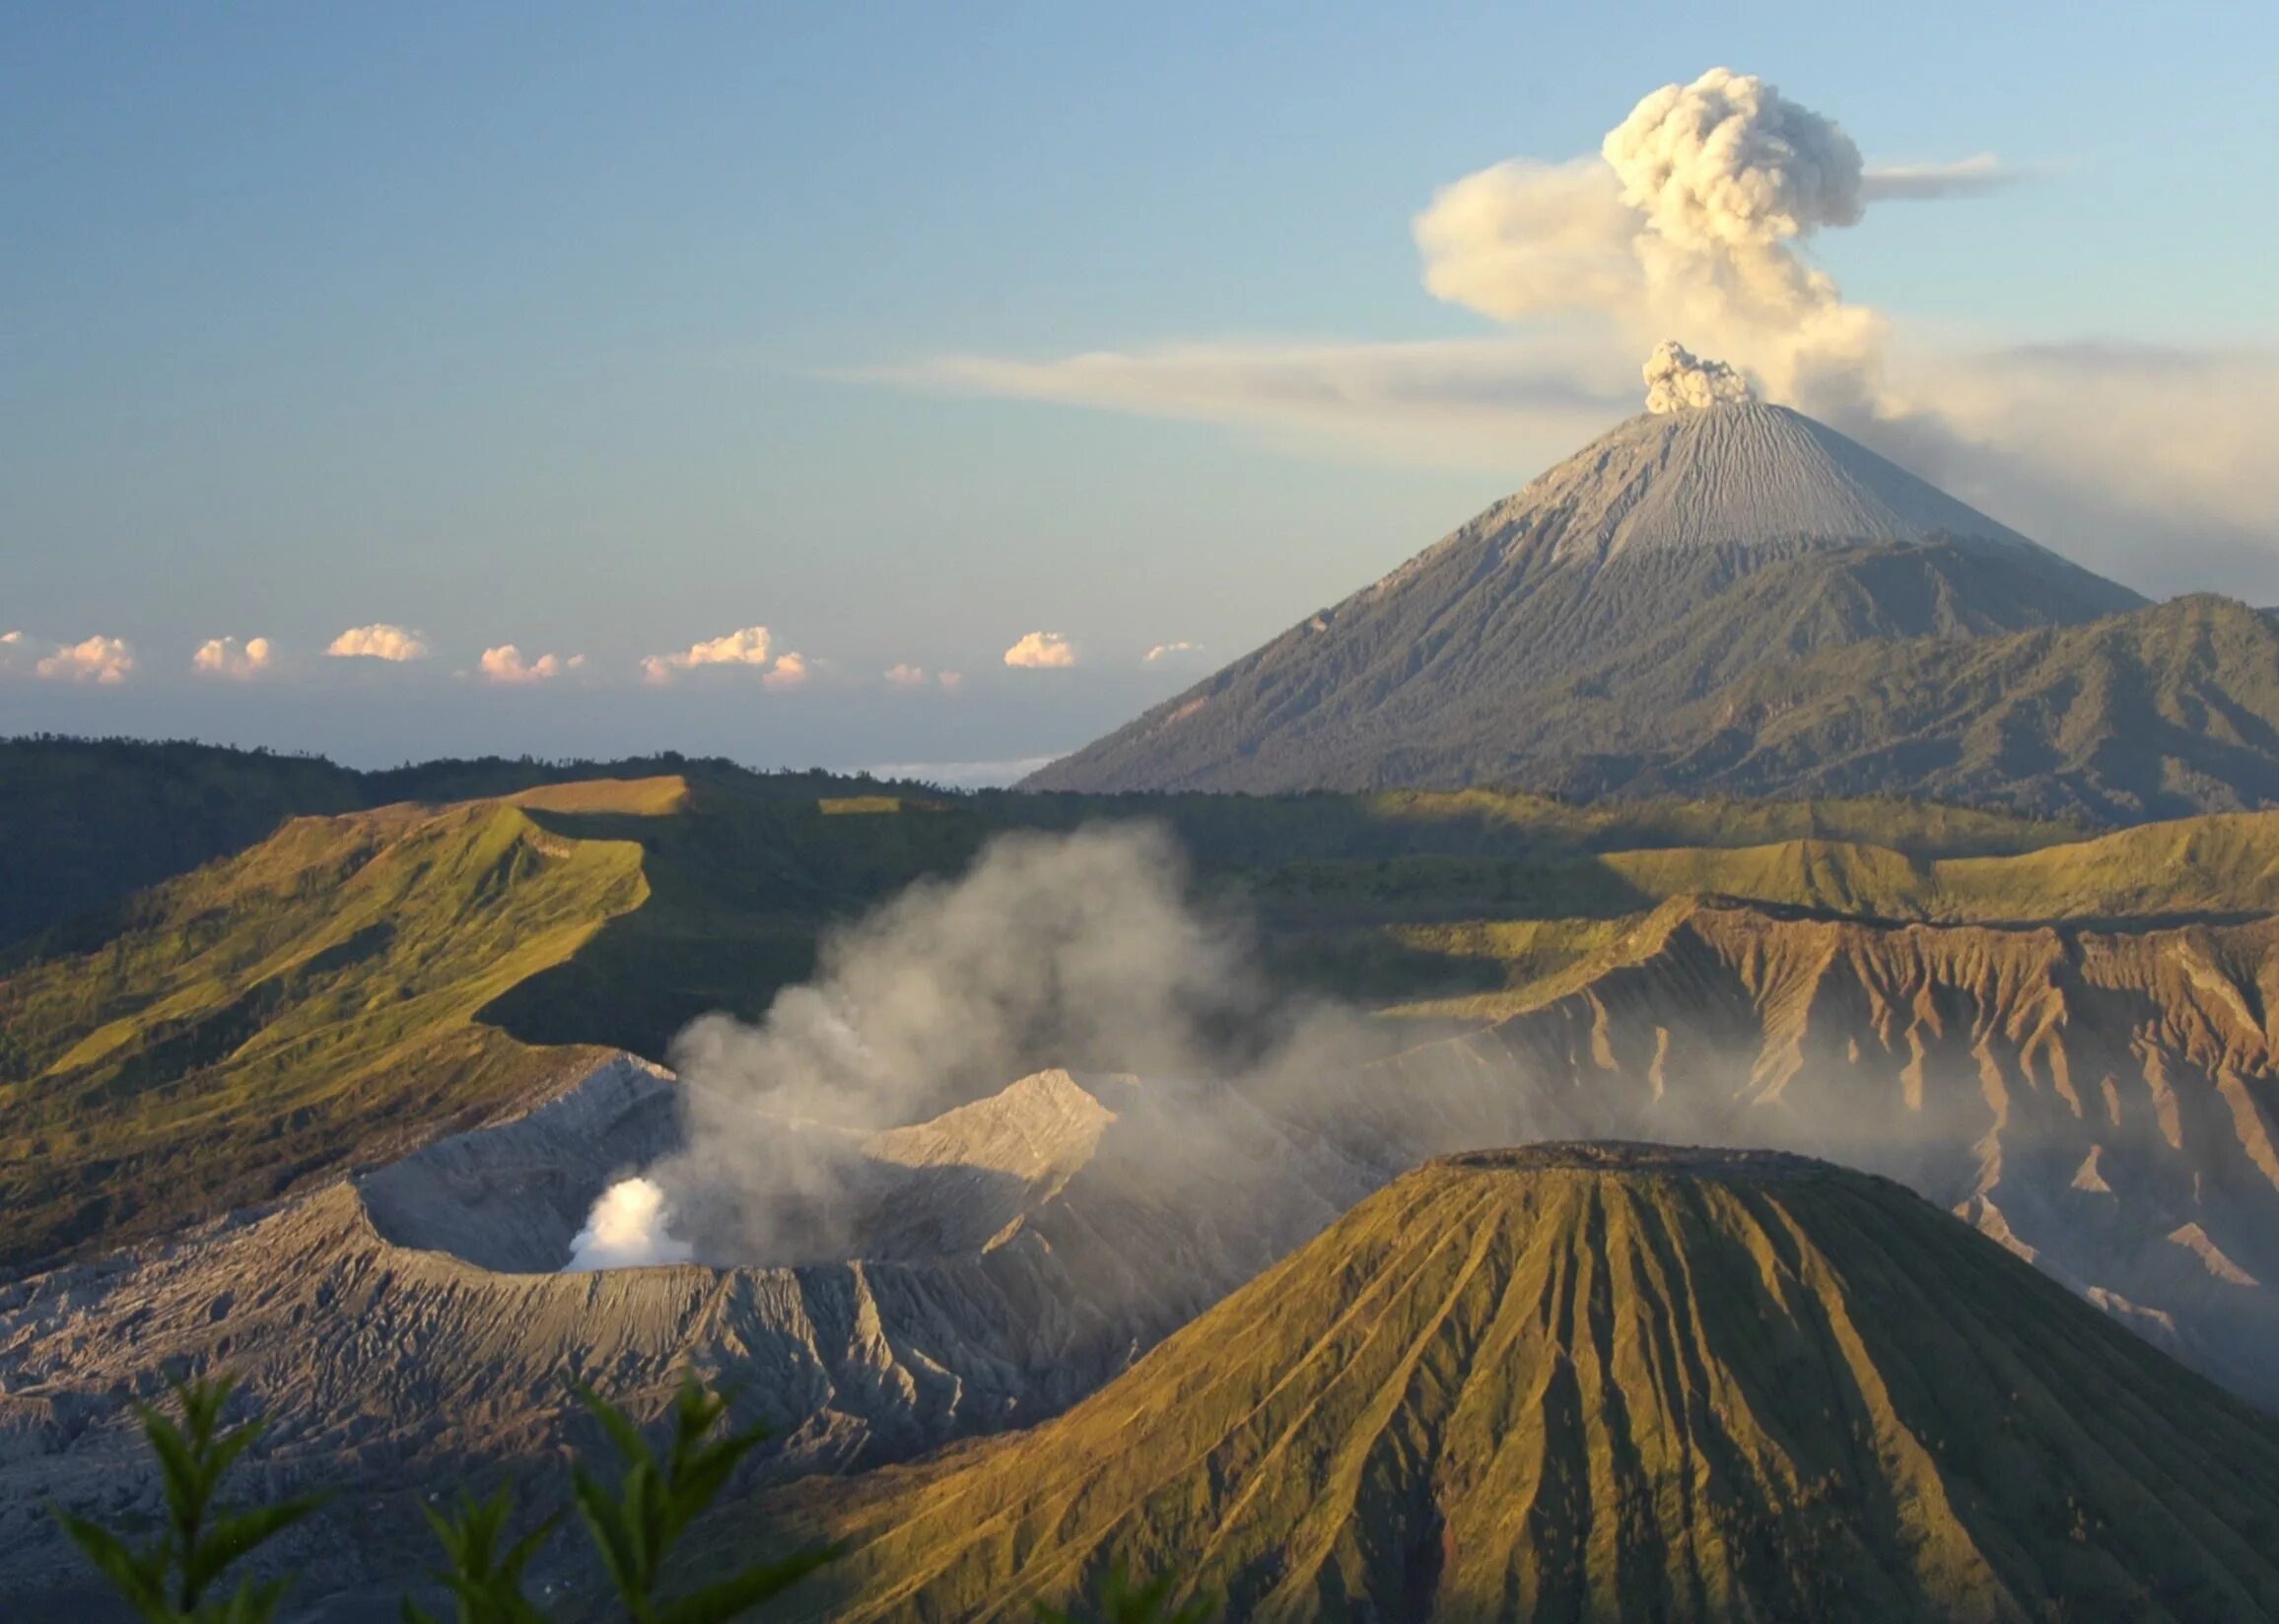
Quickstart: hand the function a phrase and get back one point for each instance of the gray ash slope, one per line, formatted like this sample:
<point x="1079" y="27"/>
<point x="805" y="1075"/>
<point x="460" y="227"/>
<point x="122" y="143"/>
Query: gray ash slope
<point x="1617" y="627"/>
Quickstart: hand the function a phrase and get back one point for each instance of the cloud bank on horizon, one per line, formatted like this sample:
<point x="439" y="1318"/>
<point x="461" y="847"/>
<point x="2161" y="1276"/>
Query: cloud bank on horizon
<point x="110" y="660"/>
<point x="1692" y="221"/>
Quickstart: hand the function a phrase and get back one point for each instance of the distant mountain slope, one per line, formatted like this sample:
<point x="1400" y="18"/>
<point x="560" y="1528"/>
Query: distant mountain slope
<point x="1598" y="1383"/>
<point x="1581" y="634"/>
<point x="2163" y="713"/>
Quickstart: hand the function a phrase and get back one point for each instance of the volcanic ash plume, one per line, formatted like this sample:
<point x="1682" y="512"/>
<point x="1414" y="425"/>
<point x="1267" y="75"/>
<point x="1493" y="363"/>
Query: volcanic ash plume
<point x="1694" y="215"/>
<point x="1083" y="951"/>
<point x="1677" y="379"/>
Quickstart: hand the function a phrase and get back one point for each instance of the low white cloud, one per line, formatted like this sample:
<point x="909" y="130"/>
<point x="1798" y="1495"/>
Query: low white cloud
<point x="227" y="657"/>
<point x="789" y="671"/>
<point x="951" y="680"/>
<point x="751" y="647"/>
<point x="10" y="637"/>
<point x="1171" y="650"/>
<point x="99" y="660"/>
<point x="379" y="640"/>
<point x="506" y="664"/>
<point x="1042" y="650"/>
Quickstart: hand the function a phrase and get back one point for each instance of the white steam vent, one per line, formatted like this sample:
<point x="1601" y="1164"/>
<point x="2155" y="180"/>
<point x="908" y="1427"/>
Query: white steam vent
<point x="1678" y="379"/>
<point x="626" y="1229"/>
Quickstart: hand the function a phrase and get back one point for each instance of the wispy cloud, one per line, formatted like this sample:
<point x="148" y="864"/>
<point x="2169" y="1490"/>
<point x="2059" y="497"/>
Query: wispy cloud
<point x="1450" y="402"/>
<point x="1042" y="650"/>
<point x="380" y="642"/>
<point x="99" y="660"/>
<point x="227" y="657"/>
<point x="1170" y="650"/>
<point x="1965" y="177"/>
<point x="911" y="678"/>
<point x="789" y="671"/>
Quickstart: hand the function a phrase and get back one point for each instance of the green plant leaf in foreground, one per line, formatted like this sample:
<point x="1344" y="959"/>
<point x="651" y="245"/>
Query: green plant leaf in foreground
<point x="485" y="1573"/>
<point x="636" y="1525"/>
<point x="167" y="1581"/>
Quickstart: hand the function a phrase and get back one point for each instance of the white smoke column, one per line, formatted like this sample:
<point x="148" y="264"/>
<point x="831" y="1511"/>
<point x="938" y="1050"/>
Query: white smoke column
<point x="1080" y="951"/>
<point x="626" y="1229"/>
<point x="1678" y="379"/>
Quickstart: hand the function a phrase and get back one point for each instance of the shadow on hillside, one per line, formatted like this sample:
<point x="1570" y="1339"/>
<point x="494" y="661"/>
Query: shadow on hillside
<point x="741" y="891"/>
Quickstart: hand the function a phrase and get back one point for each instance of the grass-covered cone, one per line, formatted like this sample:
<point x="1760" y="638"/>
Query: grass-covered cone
<point x="1615" y="1383"/>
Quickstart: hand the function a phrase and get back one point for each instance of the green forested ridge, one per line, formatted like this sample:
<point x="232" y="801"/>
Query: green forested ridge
<point x="83" y="822"/>
<point x="359" y="982"/>
<point x="1609" y="1383"/>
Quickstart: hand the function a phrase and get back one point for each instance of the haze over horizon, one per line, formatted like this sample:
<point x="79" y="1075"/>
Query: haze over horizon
<point x="412" y="384"/>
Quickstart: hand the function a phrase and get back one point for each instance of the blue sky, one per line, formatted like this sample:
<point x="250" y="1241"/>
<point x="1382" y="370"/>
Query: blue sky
<point x="605" y="332"/>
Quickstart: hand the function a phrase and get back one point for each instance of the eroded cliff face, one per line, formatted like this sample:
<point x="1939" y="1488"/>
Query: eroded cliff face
<point x="2103" y="1104"/>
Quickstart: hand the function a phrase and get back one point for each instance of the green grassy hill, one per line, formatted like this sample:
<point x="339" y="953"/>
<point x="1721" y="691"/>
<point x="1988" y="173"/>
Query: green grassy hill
<point x="311" y="1000"/>
<point x="1598" y="1383"/>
